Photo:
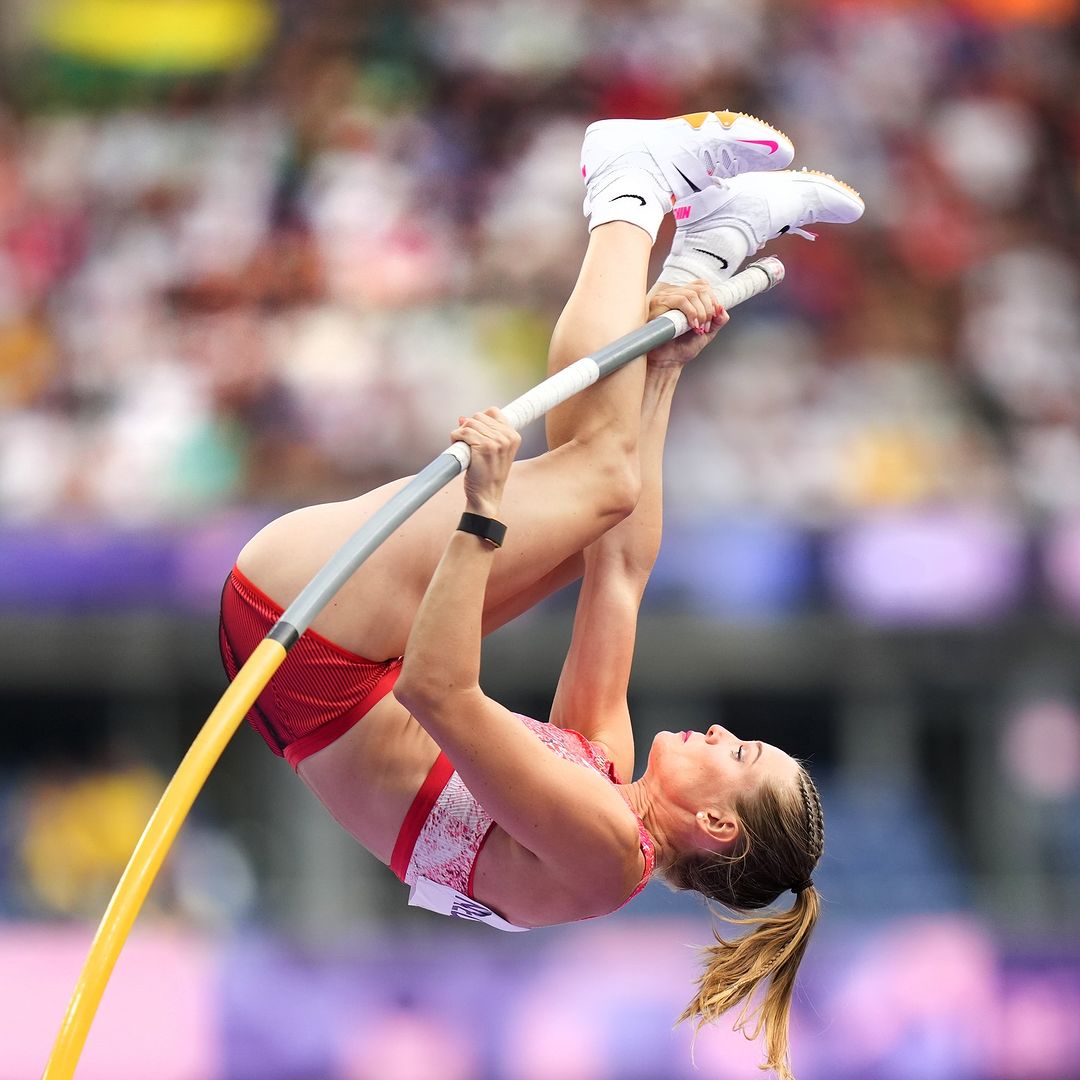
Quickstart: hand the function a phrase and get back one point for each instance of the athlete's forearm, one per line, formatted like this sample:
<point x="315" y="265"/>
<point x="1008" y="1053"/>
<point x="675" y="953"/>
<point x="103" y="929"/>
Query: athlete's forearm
<point x="631" y="546"/>
<point x="442" y="655"/>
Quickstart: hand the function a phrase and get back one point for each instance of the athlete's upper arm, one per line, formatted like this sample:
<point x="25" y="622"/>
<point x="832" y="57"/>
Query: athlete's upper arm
<point x="591" y="696"/>
<point x="568" y="816"/>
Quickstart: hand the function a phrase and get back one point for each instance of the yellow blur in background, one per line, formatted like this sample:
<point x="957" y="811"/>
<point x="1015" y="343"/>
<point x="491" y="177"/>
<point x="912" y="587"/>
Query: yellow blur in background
<point x="79" y="835"/>
<point x="160" y="35"/>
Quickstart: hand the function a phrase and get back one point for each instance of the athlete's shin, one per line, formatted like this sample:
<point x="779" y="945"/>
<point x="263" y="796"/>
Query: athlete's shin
<point x="608" y="301"/>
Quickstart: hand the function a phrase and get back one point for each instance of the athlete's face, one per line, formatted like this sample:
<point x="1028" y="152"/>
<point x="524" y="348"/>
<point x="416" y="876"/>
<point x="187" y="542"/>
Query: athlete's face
<point x="711" y="771"/>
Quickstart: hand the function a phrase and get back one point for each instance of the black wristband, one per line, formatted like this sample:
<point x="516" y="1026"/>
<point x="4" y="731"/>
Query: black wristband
<point x="494" y="532"/>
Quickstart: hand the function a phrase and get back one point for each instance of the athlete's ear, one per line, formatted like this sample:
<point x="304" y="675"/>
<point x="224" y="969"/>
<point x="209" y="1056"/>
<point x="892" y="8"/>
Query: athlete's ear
<point x="718" y="828"/>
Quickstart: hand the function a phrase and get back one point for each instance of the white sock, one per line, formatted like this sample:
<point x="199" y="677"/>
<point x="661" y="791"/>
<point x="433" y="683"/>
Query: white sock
<point x="636" y="195"/>
<point x="714" y="255"/>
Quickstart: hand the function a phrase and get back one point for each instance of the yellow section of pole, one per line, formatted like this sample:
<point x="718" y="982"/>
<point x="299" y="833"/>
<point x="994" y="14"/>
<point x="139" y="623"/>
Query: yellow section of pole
<point x="150" y="852"/>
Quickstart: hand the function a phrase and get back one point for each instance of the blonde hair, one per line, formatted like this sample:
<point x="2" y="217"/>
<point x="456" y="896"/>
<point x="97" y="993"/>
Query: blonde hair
<point x="781" y="840"/>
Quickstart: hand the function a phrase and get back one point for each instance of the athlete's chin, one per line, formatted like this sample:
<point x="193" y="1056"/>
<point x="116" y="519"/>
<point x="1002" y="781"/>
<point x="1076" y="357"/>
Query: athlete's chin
<point x="664" y="739"/>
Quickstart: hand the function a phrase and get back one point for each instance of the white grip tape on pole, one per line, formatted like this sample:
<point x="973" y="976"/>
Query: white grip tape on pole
<point x="462" y="451"/>
<point x="756" y="278"/>
<point x="551" y="392"/>
<point x="748" y="283"/>
<point x="540" y="399"/>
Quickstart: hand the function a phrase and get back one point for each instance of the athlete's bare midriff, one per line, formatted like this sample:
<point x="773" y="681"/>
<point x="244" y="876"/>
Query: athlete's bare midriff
<point x="369" y="777"/>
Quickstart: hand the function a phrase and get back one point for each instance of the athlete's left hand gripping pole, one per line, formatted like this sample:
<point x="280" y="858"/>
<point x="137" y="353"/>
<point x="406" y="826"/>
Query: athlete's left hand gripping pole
<point x="252" y="678"/>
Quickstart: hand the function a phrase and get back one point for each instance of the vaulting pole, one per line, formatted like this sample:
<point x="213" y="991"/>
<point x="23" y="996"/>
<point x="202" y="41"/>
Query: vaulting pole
<point x="252" y="678"/>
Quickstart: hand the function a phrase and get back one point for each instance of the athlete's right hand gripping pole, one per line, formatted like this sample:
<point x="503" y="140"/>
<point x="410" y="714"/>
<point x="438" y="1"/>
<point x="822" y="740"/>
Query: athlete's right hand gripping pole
<point x="252" y="678"/>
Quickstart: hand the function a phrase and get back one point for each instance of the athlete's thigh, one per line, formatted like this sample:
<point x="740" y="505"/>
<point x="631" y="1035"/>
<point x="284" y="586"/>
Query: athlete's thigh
<point x="554" y="506"/>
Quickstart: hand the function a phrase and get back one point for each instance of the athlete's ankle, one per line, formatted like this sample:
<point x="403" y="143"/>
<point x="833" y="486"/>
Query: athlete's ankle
<point x="633" y="196"/>
<point x="715" y="257"/>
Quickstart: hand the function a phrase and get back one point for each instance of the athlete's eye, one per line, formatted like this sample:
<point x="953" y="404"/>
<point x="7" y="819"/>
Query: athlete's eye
<point x="739" y="753"/>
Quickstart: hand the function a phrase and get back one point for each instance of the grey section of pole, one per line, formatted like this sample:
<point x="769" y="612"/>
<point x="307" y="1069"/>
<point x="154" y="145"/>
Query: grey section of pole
<point x="298" y="616"/>
<point x="348" y="558"/>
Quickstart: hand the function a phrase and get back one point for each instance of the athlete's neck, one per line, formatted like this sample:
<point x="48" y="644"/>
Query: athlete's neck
<point x="658" y="820"/>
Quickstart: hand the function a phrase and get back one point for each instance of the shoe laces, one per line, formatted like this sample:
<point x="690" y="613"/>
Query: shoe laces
<point x="804" y="233"/>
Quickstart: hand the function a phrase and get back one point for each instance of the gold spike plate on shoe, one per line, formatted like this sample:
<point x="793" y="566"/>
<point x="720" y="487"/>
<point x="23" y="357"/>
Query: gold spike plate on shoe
<point x="726" y="118"/>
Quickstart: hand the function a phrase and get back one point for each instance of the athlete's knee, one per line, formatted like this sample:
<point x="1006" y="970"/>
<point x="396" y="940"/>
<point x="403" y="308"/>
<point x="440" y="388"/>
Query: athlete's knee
<point x="604" y="471"/>
<point x="619" y="486"/>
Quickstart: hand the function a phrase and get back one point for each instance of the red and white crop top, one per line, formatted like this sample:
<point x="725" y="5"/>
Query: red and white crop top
<point x="445" y="829"/>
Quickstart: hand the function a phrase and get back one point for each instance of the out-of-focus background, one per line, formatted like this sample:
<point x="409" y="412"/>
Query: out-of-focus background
<point x="258" y="254"/>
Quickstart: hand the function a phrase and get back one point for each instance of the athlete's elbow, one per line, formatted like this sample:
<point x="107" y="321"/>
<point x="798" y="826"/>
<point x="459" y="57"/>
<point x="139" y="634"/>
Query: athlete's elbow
<point x="415" y="691"/>
<point x="425" y="693"/>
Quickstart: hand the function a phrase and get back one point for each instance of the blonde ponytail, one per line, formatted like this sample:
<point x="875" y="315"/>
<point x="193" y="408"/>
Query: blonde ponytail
<point x="736" y="969"/>
<point x="782" y="839"/>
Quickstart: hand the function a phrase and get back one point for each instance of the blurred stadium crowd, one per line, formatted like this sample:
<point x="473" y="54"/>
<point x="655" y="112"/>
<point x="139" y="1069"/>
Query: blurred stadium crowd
<point x="278" y="285"/>
<point x="267" y="258"/>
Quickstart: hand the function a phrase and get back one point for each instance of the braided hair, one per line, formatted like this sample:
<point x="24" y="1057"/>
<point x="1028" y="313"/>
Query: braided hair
<point x="781" y="840"/>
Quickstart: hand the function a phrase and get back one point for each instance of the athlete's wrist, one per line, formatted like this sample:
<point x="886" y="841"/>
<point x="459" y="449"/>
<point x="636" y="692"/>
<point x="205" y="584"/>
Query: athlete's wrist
<point x="661" y="373"/>
<point x="488" y="508"/>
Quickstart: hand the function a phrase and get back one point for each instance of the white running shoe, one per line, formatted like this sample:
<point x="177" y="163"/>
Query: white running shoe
<point x="688" y="150"/>
<point x="717" y="228"/>
<point x="659" y="162"/>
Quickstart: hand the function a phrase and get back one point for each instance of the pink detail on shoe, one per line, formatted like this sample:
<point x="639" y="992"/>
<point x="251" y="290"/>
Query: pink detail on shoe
<point x="582" y="172"/>
<point x="774" y="146"/>
<point x="681" y="213"/>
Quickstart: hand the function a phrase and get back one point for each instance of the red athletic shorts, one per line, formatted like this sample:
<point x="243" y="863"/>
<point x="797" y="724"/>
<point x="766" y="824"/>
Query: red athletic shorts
<point x="319" y="691"/>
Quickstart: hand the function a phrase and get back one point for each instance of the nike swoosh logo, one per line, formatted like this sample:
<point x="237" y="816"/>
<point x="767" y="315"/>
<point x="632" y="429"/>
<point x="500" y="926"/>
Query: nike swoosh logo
<point x="773" y="146"/>
<point x="693" y="186"/>
<point x="638" y="197"/>
<point x="721" y="258"/>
